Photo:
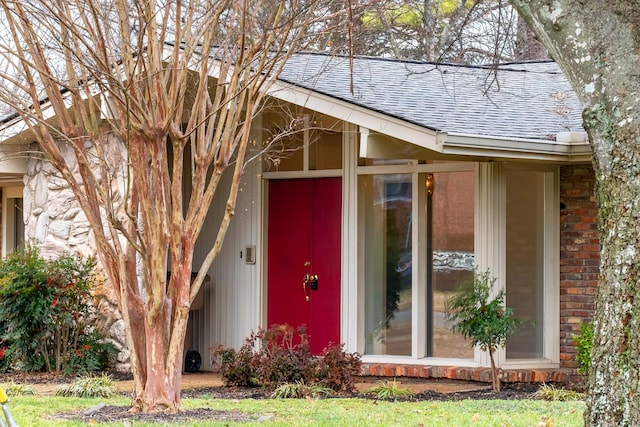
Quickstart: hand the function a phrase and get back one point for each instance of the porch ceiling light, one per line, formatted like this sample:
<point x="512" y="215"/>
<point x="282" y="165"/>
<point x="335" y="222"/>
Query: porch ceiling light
<point x="429" y="184"/>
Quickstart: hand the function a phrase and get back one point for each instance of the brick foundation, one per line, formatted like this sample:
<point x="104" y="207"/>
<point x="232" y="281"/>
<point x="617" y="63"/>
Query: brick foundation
<point x="465" y="373"/>
<point x="579" y="257"/>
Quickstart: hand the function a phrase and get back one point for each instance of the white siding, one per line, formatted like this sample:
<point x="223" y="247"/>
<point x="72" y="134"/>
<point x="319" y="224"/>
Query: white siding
<point x="231" y="297"/>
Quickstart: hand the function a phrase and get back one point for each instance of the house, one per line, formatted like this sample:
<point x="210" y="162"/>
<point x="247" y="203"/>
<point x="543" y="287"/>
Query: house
<point x="405" y="177"/>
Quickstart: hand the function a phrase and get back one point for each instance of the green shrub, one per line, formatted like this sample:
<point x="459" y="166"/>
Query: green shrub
<point x="390" y="390"/>
<point x="14" y="389"/>
<point x="299" y="390"/>
<point x="88" y="386"/>
<point x="281" y="355"/>
<point x="46" y="313"/>
<point x="584" y="342"/>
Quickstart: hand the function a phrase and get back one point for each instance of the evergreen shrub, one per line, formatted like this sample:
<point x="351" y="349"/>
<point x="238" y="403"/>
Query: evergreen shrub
<point x="46" y="314"/>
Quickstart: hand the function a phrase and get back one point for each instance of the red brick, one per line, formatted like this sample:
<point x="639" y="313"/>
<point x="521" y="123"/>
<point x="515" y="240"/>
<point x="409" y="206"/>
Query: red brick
<point x="579" y="252"/>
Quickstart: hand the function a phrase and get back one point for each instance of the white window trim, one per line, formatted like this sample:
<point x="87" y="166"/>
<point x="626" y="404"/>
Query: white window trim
<point x="408" y="360"/>
<point x="357" y="286"/>
<point x="489" y="232"/>
<point x="350" y="317"/>
<point x="8" y="217"/>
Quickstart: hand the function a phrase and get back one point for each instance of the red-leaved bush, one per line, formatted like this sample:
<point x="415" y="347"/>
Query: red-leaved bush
<point x="280" y="355"/>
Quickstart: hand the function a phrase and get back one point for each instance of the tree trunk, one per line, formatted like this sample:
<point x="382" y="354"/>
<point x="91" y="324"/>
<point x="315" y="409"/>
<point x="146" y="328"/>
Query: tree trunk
<point x="123" y="152"/>
<point x="596" y="43"/>
<point x="160" y="393"/>
<point x="615" y="356"/>
<point x="159" y="359"/>
<point x="495" y="378"/>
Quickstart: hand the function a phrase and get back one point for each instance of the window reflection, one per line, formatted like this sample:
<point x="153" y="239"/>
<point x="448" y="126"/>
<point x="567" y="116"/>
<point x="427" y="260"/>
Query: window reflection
<point x="450" y="260"/>
<point x="446" y="249"/>
<point x="387" y="207"/>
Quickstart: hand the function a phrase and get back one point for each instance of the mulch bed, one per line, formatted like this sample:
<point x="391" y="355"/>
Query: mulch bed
<point x="121" y="414"/>
<point x="515" y="391"/>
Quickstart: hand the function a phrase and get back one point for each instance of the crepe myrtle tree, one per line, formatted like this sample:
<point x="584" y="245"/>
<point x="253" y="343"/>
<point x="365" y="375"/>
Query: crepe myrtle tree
<point x="597" y="45"/>
<point x="482" y="318"/>
<point x="121" y="96"/>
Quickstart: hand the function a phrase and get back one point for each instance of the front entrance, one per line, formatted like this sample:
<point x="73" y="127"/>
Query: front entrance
<point x="304" y="257"/>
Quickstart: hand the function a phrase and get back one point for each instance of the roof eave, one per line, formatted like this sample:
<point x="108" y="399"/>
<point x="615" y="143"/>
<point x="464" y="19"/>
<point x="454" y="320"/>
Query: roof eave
<point x="517" y="148"/>
<point x="569" y="147"/>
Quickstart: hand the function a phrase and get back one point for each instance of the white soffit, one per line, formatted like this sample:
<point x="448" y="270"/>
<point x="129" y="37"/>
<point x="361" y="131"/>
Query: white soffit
<point x="13" y="159"/>
<point x="375" y="145"/>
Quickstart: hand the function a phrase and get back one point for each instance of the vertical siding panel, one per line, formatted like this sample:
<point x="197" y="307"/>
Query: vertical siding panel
<point x="231" y="296"/>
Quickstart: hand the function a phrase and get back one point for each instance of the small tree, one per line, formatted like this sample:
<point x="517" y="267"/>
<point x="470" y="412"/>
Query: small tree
<point x="485" y="321"/>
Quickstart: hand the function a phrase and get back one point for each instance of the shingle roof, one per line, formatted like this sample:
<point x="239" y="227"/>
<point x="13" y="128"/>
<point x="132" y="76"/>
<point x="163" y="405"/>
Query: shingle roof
<point x="531" y="100"/>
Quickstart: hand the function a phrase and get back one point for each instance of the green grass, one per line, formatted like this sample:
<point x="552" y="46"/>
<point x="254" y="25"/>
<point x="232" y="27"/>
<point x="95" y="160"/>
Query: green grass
<point x="38" y="410"/>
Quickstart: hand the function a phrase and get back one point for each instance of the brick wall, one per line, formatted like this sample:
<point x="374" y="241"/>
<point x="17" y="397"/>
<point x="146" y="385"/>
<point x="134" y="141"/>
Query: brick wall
<point x="579" y="255"/>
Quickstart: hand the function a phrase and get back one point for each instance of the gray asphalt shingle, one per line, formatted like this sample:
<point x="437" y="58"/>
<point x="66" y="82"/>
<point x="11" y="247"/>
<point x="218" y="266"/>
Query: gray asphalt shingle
<point x="531" y="100"/>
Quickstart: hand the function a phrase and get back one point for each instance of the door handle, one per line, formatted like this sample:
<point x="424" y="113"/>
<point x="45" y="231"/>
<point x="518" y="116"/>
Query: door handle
<point x="305" y="282"/>
<point x="310" y="280"/>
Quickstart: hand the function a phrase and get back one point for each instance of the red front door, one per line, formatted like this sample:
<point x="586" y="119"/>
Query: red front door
<point x="304" y="239"/>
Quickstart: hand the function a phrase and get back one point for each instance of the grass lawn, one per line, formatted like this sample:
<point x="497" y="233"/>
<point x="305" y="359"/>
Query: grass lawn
<point x="38" y="410"/>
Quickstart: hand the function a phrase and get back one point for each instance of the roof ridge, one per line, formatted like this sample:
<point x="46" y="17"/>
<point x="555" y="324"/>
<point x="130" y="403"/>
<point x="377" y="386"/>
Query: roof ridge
<point x="502" y="66"/>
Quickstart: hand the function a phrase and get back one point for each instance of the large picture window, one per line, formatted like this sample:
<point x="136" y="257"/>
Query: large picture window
<point x="424" y="228"/>
<point x="417" y="247"/>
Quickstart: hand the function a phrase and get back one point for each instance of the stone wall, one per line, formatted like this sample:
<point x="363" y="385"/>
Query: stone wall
<point x="56" y="223"/>
<point x="579" y="256"/>
<point x="52" y="216"/>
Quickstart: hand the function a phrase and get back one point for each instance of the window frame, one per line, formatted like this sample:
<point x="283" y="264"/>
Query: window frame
<point x="489" y="253"/>
<point x="419" y="327"/>
<point x="9" y="219"/>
